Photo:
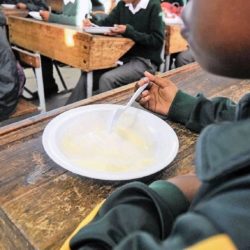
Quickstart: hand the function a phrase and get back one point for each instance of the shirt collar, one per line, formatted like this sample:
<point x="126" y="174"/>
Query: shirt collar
<point x="68" y="1"/>
<point x="141" y="5"/>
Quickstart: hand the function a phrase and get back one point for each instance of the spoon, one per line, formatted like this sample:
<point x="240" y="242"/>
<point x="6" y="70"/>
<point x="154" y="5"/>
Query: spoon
<point x="118" y="112"/>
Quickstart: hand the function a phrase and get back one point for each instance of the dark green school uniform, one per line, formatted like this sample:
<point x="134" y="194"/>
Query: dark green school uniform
<point x="137" y="216"/>
<point x="145" y="28"/>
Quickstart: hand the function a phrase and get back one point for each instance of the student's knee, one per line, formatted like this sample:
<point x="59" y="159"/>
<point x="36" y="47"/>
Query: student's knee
<point x="106" y="82"/>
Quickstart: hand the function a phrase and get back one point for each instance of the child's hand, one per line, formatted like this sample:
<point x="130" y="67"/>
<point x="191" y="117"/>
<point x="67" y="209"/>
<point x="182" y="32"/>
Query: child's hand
<point x="117" y="30"/>
<point x="21" y="6"/>
<point x="45" y="15"/>
<point x="87" y="23"/>
<point x="159" y="95"/>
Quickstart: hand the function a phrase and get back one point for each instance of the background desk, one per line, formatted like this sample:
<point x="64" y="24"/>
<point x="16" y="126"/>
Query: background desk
<point x="41" y="203"/>
<point x="14" y="12"/>
<point x="174" y="43"/>
<point x="68" y="44"/>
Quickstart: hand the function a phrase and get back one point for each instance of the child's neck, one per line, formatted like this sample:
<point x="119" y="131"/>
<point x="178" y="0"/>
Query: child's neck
<point x="135" y="3"/>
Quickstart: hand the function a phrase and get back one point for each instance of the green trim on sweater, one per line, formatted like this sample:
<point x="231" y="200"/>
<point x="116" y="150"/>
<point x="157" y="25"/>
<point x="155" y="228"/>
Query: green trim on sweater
<point x="181" y="107"/>
<point x="172" y="196"/>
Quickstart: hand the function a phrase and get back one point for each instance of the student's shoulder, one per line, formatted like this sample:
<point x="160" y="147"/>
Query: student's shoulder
<point x="154" y="3"/>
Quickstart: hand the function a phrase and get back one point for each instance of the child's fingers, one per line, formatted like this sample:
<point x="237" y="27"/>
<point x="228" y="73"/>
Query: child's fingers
<point x="161" y="82"/>
<point x="144" y="100"/>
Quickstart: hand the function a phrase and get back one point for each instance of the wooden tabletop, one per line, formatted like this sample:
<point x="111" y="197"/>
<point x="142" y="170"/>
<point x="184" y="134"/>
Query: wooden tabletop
<point x="14" y="12"/>
<point x="41" y="203"/>
<point x="68" y="44"/>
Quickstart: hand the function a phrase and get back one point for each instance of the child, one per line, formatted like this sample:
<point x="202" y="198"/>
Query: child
<point x="50" y="86"/>
<point x="211" y="212"/>
<point x="9" y="81"/>
<point x="73" y="13"/>
<point x="141" y="21"/>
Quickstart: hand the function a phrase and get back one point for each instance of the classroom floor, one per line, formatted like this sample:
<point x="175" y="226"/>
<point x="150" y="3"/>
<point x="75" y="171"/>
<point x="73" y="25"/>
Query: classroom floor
<point x="70" y="75"/>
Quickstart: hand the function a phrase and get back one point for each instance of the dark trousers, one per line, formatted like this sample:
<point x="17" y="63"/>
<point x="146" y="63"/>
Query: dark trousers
<point x="47" y="71"/>
<point x="109" y="79"/>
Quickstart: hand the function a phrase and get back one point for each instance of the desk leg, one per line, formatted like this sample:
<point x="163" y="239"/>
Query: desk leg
<point x="40" y="87"/>
<point x="167" y="63"/>
<point x="89" y="83"/>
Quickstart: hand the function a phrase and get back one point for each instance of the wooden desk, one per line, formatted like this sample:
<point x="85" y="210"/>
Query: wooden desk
<point x="68" y="44"/>
<point x="14" y="12"/>
<point x="174" y="43"/>
<point x="41" y="203"/>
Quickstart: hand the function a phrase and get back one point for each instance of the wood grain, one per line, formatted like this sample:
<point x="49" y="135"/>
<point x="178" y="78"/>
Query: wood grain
<point x="23" y="108"/>
<point x="41" y="203"/>
<point x="68" y="44"/>
<point x="174" y="42"/>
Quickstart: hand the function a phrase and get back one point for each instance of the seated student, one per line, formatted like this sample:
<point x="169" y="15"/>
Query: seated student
<point x="211" y="209"/>
<point x="32" y="5"/>
<point x="50" y="86"/>
<point x="139" y="20"/>
<point x="97" y="6"/>
<point x="183" y="58"/>
<point x="9" y="80"/>
<point x="74" y="11"/>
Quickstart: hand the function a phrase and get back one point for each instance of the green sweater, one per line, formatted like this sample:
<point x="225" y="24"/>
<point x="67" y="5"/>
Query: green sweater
<point x="73" y="13"/>
<point x="145" y="28"/>
<point x="198" y="112"/>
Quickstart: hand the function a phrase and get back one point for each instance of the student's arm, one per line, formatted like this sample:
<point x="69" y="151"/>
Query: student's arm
<point x="124" y="212"/>
<point x="198" y="112"/>
<point x="9" y="84"/>
<point x="111" y="19"/>
<point x="155" y="37"/>
<point x="82" y="8"/>
<point x="194" y="112"/>
<point x="37" y="5"/>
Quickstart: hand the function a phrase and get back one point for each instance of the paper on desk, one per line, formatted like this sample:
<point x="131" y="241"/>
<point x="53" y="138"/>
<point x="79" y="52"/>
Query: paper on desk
<point x="97" y="30"/>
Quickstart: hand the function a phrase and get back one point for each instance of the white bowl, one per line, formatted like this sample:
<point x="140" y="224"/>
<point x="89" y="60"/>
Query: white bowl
<point x="140" y="144"/>
<point x="8" y="6"/>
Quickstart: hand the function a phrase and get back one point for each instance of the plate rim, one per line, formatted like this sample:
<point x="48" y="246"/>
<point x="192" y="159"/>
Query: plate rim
<point x="104" y="175"/>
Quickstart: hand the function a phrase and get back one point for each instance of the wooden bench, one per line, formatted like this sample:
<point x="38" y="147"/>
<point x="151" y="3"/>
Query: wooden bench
<point x="33" y="60"/>
<point x="24" y="108"/>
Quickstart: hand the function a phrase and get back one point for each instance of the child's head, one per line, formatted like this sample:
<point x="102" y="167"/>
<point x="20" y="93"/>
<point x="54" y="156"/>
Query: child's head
<point x="219" y="34"/>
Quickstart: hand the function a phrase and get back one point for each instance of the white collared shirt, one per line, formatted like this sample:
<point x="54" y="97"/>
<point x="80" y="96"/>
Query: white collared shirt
<point x="141" y="5"/>
<point x="68" y="1"/>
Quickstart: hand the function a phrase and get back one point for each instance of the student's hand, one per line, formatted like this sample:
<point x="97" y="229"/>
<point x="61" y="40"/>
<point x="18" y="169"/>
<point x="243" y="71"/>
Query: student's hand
<point x="45" y="15"/>
<point x="117" y="30"/>
<point x="159" y="95"/>
<point x="86" y="23"/>
<point x="21" y="6"/>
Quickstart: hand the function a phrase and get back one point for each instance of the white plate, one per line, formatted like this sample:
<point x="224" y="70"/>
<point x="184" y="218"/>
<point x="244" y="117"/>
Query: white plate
<point x="97" y="30"/>
<point x="140" y="145"/>
<point x="36" y="15"/>
<point x="8" y="6"/>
